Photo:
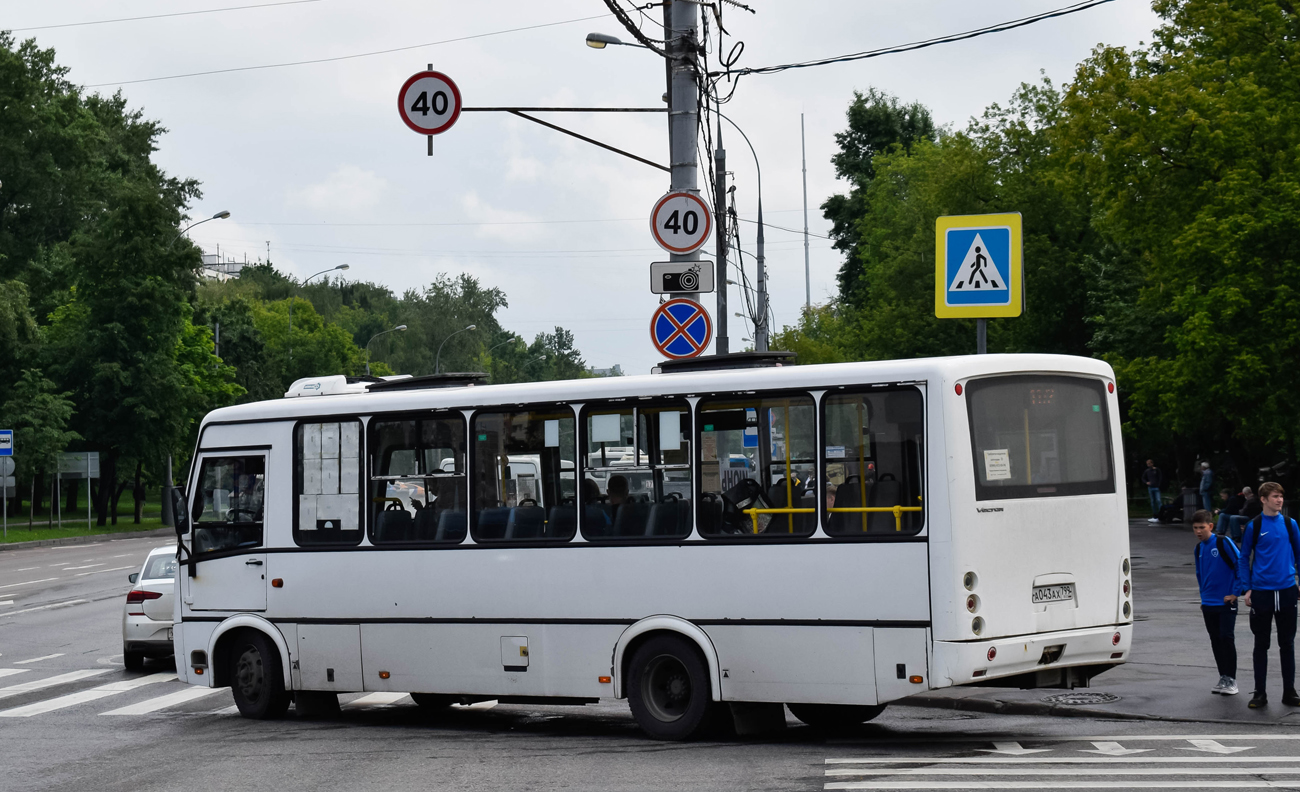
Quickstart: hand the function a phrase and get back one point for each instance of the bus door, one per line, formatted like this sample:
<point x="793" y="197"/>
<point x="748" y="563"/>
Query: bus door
<point x="227" y="505"/>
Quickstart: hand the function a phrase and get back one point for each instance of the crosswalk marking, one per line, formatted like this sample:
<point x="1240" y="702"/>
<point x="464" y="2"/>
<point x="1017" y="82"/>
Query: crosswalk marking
<point x="1110" y="771"/>
<point x="39" y="659"/>
<point x="61" y="679"/>
<point x="163" y="702"/>
<point x="81" y="697"/>
<point x="375" y="700"/>
<point x="4" y="672"/>
<point x="51" y="606"/>
<point x="1241" y="784"/>
<point x="1077" y="760"/>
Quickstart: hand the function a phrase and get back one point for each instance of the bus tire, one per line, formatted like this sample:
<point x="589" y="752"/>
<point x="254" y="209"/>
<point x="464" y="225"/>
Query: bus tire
<point x="256" y="678"/>
<point x="835" y="716"/>
<point x="668" y="688"/>
<point x="432" y="702"/>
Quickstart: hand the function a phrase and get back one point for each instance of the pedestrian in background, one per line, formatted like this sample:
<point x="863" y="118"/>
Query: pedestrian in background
<point x="1230" y="519"/>
<point x="1217" y="560"/>
<point x="1270" y="550"/>
<point x="1207" y="485"/>
<point x="1153" y="480"/>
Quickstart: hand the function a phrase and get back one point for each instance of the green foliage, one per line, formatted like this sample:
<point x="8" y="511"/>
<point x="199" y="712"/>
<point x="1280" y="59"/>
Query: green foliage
<point x="39" y="416"/>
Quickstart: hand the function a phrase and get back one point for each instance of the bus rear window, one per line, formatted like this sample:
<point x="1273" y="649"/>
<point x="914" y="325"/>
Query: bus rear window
<point x="1040" y="437"/>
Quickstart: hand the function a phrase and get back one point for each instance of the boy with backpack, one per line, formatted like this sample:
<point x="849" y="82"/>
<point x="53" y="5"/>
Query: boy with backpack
<point x="1270" y="551"/>
<point x="1217" y="560"/>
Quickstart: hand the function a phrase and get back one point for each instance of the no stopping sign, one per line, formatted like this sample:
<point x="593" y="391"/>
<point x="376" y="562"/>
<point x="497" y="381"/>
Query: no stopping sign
<point x="429" y="102"/>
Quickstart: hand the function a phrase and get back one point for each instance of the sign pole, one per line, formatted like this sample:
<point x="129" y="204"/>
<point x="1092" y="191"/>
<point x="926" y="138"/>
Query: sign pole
<point x="88" y="498"/>
<point x="981" y="336"/>
<point x="430" y="136"/>
<point x="683" y="112"/>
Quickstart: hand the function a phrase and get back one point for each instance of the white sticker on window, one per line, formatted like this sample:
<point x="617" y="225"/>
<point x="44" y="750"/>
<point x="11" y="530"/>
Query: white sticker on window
<point x="604" y="429"/>
<point x="552" y="434"/>
<point x="329" y="441"/>
<point x="997" y="464"/>
<point x="834" y="452"/>
<point x="670" y="430"/>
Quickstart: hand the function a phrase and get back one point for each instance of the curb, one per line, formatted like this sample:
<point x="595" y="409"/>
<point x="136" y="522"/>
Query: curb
<point x="75" y="540"/>
<point x="995" y="707"/>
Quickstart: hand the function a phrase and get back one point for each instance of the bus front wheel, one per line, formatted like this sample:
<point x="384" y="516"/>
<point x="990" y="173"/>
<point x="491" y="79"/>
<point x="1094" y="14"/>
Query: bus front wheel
<point x="835" y="716"/>
<point x="256" y="677"/>
<point x="668" y="688"/>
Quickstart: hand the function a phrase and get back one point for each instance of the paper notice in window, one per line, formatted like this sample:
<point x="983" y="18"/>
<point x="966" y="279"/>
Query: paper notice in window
<point x="997" y="464"/>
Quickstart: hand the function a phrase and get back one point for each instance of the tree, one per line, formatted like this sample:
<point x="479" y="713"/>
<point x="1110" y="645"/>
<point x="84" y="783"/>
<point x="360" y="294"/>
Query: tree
<point x="39" y="416"/>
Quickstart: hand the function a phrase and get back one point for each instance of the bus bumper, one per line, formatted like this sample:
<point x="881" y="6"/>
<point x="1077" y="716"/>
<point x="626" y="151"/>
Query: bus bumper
<point x="1061" y="659"/>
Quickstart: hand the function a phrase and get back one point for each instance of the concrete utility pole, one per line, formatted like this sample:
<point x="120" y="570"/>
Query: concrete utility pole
<point x="682" y="19"/>
<point x="807" y="276"/>
<point x="721" y="344"/>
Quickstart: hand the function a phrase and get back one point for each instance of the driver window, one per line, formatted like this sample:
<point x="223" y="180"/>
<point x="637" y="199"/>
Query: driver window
<point x="757" y="466"/>
<point x="227" y="514"/>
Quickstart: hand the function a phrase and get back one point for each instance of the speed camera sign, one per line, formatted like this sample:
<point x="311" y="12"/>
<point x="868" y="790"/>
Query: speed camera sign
<point x="681" y="222"/>
<point x="429" y="102"/>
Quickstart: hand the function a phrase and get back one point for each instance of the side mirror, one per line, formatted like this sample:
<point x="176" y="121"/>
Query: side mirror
<point x="180" y="511"/>
<point x="133" y="577"/>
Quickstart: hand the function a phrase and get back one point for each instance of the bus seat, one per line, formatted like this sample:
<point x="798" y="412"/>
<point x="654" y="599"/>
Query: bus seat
<point x="425" y="526"/>
<point x="631" y="518"/>
<point x="596" y="521"/>
<point x="848" y="496"/>
<point x="884" y="494"/>
<point x="561" y="521"/>
<point x="525" y="522"/>
<point x="393" y="524"/>
<point x="669" y="518"/>
<point x="451" y="526"/>
<point x="780" y="523"/>
<point x="492" y="523"/>
<point x="710" y="513"/>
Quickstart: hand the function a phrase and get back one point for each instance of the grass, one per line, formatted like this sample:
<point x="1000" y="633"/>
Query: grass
<point x="74" y="523"/>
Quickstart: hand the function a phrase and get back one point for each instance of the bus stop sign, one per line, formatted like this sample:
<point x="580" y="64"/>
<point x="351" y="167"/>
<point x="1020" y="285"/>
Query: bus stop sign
<point x="977" y="266"/>
<point x="680" y="329"/>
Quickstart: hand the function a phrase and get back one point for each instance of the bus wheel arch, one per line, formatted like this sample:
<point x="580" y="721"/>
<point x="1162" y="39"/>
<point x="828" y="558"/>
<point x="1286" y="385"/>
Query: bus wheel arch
<point x="225" y="635"/>
<point x="649" y="627"/>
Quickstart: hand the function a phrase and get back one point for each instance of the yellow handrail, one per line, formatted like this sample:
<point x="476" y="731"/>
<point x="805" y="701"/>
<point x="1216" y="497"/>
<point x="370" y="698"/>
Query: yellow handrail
<point x="897" y="511"/>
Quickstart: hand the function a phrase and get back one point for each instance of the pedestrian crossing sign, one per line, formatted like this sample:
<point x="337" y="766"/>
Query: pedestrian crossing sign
<point x="977" y="266"/>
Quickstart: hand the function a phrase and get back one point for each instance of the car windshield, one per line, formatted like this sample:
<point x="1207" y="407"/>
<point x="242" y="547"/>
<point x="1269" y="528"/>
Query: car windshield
<point x="159" y="566"/>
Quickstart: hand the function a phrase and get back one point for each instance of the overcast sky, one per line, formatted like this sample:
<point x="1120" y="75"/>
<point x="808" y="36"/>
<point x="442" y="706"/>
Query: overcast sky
<point x="314" y="160"/>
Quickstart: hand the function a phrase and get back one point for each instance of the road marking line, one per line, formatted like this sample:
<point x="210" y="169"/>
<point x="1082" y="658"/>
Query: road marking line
<point x="4" y="672"/>
<point x="39" y="659"/>
<point x="1111" y="748"/>
<point x="231" y="710"/>
<point x="97" y="571"/>
<point x="1212" y="746"/>
<point x="1135" y="771"/>
<point x="375" y="700"/>
<point x="87" y="566"/>
<point x="1251" y="784"/>
<point x="190" y="693"/>
<point x="1013" y="749"/>
<point x="1029" y="760"/>
<point x="27" y="583"/>
<point x="39" y="684"/>
<point x="84" y="696"/>
<point x="28" y="569"/>
<point x="7" y="602"/>
<point x="67" y="604"/>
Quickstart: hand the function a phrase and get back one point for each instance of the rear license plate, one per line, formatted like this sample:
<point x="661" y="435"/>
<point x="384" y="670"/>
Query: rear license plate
<point x="1063" y="592"/>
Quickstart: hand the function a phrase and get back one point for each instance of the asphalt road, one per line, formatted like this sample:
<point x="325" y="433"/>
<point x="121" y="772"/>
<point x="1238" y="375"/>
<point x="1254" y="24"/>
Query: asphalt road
<point x="72" y="719"/>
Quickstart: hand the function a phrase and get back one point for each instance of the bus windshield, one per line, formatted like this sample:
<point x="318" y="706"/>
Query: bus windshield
<point x="1040" y="436"/>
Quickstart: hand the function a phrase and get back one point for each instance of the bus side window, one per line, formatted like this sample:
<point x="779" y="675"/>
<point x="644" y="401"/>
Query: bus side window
<point x="757" y="463"/>
<point x="872" y="461"/>
<point x="327" y="483"/>
<point x="636" y="477"/>
<point x="525" y="475"/>
<point x="228" y="507"/>
<point x="417" y="480"/>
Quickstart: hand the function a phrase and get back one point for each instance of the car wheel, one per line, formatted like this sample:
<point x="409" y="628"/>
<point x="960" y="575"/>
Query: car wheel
<point x="668" y="688"/>
<point x="256" y="678"/>
<point x="315" y="703"/>
<point x="134" y="661"/>
<point x="835" y="716"/>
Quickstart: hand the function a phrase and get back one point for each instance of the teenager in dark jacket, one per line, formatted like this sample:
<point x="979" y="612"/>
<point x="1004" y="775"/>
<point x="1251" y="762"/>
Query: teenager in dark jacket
<point x="1270" y="551"/>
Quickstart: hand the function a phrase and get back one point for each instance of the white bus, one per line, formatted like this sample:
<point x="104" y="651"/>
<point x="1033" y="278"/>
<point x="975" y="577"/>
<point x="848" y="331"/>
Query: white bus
<point x="828" y="537"/>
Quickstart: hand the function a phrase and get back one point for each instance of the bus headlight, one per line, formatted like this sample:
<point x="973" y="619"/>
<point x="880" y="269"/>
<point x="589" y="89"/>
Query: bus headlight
<point x="970" y="581"/>
<point x="973" y="603"/>
<point x="977" y="625"/>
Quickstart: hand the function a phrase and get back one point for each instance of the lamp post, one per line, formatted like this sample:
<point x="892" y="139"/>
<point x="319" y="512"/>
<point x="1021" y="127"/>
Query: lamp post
<point x="222" y="215"/>
<point x="760" y="322"/>
<point x="304" y="283"/>
<point x="601" y="40"/>
<point x="437" y="360"/>
<point x="399" y="328"/>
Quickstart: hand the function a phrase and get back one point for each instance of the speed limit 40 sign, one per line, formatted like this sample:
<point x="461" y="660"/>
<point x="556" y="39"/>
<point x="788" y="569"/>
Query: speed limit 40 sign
<point x="681" y="222"/>
<point x="429" y="102"/>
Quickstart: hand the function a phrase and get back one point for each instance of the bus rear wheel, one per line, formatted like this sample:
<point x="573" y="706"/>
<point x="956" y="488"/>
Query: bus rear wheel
<point x="835" y="716"/>
<point x="668" y="688"/>
<point x="256" y="678"/>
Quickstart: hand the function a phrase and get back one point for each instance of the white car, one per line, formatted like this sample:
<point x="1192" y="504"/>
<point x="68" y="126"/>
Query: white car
<point x="147" y="619"/>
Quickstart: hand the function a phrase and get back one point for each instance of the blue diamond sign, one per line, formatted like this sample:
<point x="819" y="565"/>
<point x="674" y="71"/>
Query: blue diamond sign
<point x="978" y="268"/>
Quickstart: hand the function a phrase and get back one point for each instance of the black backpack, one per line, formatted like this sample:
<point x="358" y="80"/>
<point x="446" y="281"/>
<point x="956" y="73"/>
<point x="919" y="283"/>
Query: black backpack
<point x="1220" y="543"/>
<point x="1258" y="521"/>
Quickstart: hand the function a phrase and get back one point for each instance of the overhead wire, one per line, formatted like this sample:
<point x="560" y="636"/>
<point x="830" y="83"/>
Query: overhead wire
<point x="161" y="16"/>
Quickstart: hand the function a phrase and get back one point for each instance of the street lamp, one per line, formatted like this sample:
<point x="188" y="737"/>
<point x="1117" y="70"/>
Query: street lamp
<point x="304" y="283"/>
<point x="399" y="328"/>
<point x="760" y="327"/>
<point x="222" y="215"/>
<point x="437" y="360"/>
<point x="600" y="41"/>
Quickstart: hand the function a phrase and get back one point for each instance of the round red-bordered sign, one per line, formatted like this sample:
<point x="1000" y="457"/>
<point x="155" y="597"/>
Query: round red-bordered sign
<point x="681" y="222"/>
<point x="681" y="328"/>
<point x="429" y="102"/>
